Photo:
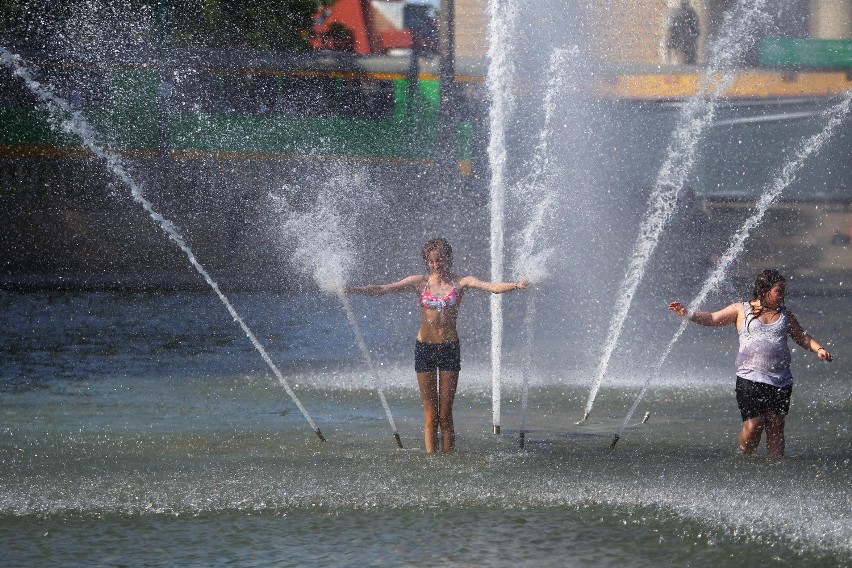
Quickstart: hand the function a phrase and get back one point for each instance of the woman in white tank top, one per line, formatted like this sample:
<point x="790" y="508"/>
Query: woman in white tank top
<point x="764" y="380"/>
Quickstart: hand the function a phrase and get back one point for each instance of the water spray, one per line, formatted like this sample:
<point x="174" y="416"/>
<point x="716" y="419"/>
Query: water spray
<point x="525" y="388"/>
<point x="697" y="113"/>
<point x="531" y="263"/>
<point x="500" y="28"/>
<point x="323" y="251"/>
<point x="617" y="437"/>
<point x="60" y="111"/>
<point x="771" y="193"/>
<point x="369" y="359"/>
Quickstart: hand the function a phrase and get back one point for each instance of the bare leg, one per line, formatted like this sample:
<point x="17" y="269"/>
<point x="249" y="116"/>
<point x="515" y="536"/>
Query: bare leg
<point x="750" y="434"/>
<point x="428" y="382"/>
<point x="449" y="382"/>
<point x="775" y="434"/>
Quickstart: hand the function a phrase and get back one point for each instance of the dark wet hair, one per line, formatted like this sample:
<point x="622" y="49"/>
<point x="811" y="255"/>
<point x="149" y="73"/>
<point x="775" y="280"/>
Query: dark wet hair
<point x="441" y="244"/>
<point x="762" y="285"/>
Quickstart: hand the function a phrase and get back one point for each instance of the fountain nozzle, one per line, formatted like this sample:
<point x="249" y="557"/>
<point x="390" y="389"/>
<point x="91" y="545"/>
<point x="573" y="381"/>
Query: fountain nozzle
<point x="614" y="441"/>
<point x="396" y="437"/>
<point x="319" y="434"/>
<point x="645" y="419"/>
<point x="523" y="436"/>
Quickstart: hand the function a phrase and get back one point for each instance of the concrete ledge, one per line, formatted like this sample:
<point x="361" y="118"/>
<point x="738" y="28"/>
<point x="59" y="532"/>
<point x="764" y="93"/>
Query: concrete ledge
<point x="673" y="83"/>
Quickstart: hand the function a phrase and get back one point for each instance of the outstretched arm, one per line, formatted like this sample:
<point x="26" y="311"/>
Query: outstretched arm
<point x="725" y="316"/>
<point x="408" y="283"/>
<point x="806" y="341"/>
<point x="493" y="287"/>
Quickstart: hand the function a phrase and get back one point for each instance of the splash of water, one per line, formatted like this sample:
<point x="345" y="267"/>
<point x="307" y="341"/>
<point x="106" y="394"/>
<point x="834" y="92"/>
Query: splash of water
<point x="324" y="251"/>
<point x="73" y="122"/>
<point x="531" y="264"/>
<point x="540" y="199"/>
<point x="500" y="28"/>
<point x="807" y="148"/>
<point x="529" y="322"/>
<point x="560" y="59"/>
<point x="353" y="321"/>
<point x="740" y="23"/>
<point x="95" y="29"/>
<point x="322" y="239"/>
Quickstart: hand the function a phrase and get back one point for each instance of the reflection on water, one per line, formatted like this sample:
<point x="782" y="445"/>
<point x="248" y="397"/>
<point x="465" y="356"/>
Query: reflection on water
<point x="590" y="536"/>
<point x="137" y="419"/>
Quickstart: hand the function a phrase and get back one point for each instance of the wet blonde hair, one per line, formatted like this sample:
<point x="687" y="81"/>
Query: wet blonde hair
<point x="439" y="244"/>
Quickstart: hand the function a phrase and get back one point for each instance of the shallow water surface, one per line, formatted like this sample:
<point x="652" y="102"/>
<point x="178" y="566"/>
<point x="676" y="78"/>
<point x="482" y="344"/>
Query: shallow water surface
<point x="132" y="437"/>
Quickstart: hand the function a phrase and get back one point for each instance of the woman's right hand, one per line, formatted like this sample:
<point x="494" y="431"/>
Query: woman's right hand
<point x="678" y="308"/>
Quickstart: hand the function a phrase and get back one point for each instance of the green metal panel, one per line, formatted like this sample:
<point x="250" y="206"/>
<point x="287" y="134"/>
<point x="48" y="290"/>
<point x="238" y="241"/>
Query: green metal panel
<point x="430" y="90"/>
<point x="300" y="136"/>
<point x="400" y="89"/>
<point x="465" y="140"/>
<point x="30" y="127"/>
<point x="805" y="52"/>
<point x="129" y="122"/>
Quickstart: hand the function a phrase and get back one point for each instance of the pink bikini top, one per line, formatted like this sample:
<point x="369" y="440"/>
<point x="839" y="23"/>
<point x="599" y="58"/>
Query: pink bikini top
<point x="452" y="299"/>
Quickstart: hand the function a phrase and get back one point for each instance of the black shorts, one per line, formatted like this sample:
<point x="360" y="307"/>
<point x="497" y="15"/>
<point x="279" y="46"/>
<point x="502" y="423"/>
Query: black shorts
<point x="429" y="357"/>
<point x="756" y="399"/>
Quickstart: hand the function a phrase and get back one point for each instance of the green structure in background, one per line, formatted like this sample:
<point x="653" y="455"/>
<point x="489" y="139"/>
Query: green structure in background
<point x="246" y="103"/>
<point x="806" y="52"/>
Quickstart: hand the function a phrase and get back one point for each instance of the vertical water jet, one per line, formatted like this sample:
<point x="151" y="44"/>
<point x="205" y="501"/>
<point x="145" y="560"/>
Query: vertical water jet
<point x="530" y="261"/>
<point x="500" y="29"/>
<point x="73" y="122"/>
<point x="323" y="250"/>
<point x="739" y="24"/>
<point x="529" y="322"/>
<point x="365" y="351"/>
<point x="771" y="193"/>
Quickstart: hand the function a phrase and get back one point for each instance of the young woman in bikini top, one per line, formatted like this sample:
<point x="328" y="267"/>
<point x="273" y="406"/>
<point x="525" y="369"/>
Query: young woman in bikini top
<point x="437" y="355"/>
<point x="440" y="309"/>
<point x="449" y="300"/>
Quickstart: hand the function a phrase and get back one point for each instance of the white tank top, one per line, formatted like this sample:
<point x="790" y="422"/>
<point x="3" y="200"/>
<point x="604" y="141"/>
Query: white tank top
<point x="764" y="356"/>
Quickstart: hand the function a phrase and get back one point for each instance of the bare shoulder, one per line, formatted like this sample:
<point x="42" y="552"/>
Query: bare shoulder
<point x="730" y="314"/>
<point x="731" y="309"/>
<point x="737" y="307"/>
